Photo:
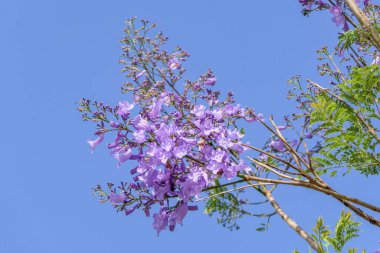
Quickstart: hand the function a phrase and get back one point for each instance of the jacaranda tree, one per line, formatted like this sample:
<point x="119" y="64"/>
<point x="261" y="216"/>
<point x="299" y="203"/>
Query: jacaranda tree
<point x="184" y="140"/>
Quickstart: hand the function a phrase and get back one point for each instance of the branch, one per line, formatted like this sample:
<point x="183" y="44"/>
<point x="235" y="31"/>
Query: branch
<point x="364" y="21"/>
<point x="223" y="185"/>
<point x="360" y="212"/>
<point x="293" y="152"/>
<point x="270" y="155"/>
<point x="231" y="190"/>
<point x="268" y="167"/>
<point x="291" y="222"/>
<point x="306" y="184"/>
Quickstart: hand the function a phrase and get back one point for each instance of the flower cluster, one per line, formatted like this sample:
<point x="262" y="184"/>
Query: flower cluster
<point x="180" y="141"/>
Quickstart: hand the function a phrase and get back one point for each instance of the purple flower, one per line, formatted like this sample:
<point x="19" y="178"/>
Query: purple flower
<point x="114" y="124"/>
<point x="142" y="73"/>
<point x="179" y="152"/>
<point x="116" y="198"/>
<point x="214" y="167"/>
<point x="199" y="111"/>
<point x="124" y="109"/>
<point x="189" y="141"/>
<point x="231" y="110"/>
<point x="278" y="146"/>
<point x="95" y="143"/>
<point x="338" y="17"/>
<point x="179" y="213"/>
<point x="122" y="154"/>
<point x="218" y="114"/>
<point x="308" y="135"/>
<point x="117" y="141"/>
<point x="167" y="145"/>
<point x="139" y="136"/>
<point x="140" y="123"/>
<point x="254" y="118"/>
<point x="156" y="108"/>
<point x="281" y="128"/>
<point x="162" y="155"/>
<point x="174" y="63"/>
<point x="231" y="171"/>
<point x="160" y="221"/>
<point x="218" y="155"/>
<point x="129" y="211"/>
<point x="210" y="81"/>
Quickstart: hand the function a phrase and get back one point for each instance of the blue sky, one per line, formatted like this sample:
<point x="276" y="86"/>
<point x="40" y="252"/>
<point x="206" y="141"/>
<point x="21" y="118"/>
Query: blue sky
<point x="55" y="52"/>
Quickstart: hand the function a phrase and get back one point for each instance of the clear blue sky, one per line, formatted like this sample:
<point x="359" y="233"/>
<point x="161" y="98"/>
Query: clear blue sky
<point x="53" y="52"/>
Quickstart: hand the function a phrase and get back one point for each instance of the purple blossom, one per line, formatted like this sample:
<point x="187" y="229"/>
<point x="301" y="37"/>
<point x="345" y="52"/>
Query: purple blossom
<point x="231" y="171"/>
<point x="95" y="143"/>
<point x="181" y="142"/>
<point x="164" y="156"/>
<point x="117" y="198"/>
<point x="218" y="114"/>
<point x="122" y="154"/>
<point x="142" y="73"/>
<point x="254" y="118"/>
<point x="278" y="146"/>
<point x="124" y="109"/>
<point x="214" y="167"/>
<point x="174" y="63"/>
<point x="160" y="221"/>
<point x="338" y="17"/>
<point x="155" y="109"/>
<point x="117" y="141"/>
<point x="210" y="81"/>
<point x="114" y="124"/>
<point x="140" y="123"/>
<point x="199" y="111"/>
<point x="179" y="213"/>
<point x="308" y="135"/>
<point x="218" y="155"/>
<point x="231" y="109"/>
<point x="140" y="136"/>
<point x="129" y="211"/>
<point x="180" y="152"/>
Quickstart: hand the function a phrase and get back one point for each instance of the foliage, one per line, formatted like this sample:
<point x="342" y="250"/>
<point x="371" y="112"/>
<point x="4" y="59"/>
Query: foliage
<point x="226" y="204"/>
<point x="345" y="230"/>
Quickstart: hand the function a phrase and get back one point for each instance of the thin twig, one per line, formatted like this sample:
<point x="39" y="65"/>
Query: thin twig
<point x="273" y="170"/>
<point x="231" y="190"/>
